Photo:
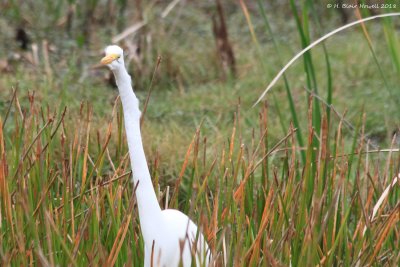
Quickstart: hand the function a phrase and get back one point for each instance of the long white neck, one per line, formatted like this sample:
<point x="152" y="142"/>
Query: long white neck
<point x="149" y="209"/>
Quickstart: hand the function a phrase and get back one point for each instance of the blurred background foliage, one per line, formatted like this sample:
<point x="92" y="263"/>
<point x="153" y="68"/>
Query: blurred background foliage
<point x="56" y="55"/>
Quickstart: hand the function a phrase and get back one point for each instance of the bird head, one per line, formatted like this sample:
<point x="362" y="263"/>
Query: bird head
<point x="114" y="57"/>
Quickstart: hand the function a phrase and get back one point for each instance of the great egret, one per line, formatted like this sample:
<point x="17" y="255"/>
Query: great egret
<point x="170" y="237"/>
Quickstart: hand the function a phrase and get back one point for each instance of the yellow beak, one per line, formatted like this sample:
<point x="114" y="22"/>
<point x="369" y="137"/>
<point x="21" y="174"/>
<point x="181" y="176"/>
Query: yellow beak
<point x="108" y="59"/>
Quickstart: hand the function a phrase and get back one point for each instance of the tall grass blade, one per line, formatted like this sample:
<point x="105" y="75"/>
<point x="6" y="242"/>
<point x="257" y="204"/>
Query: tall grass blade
<point x="287" y="87"/>
<point x="319" y="40"/>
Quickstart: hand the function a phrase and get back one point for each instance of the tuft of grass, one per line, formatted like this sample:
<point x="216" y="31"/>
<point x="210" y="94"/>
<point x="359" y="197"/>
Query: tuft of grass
<point x="66" y="196"/>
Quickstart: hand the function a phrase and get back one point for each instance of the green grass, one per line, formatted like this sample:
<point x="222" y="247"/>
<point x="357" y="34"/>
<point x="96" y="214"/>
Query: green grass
<point x="264" y="192"/>
<point x="66" y="197"/>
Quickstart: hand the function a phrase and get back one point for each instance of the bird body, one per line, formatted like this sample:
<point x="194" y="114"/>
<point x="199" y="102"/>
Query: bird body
<point x="178" y="238"/>
<point x="170" y="237"/>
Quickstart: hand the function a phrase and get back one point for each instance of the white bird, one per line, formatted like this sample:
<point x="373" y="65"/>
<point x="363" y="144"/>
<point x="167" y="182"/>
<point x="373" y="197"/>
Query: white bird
<point x="170" y="237"/>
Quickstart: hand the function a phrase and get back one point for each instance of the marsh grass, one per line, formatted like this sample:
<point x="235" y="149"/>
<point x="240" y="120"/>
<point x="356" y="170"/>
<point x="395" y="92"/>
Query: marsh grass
<point x="67" y="199"/>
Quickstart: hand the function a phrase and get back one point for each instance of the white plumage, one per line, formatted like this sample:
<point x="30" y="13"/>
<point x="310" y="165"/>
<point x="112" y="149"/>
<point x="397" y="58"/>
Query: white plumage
<point x="169" y="235"/>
